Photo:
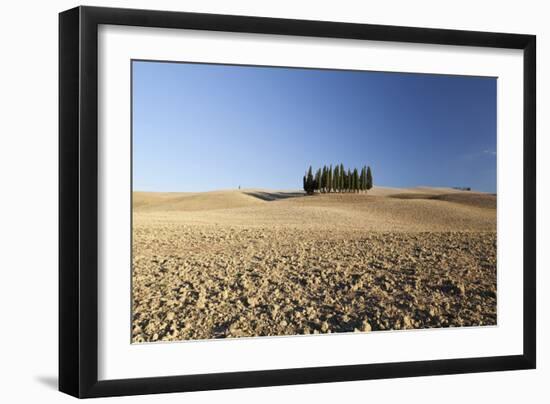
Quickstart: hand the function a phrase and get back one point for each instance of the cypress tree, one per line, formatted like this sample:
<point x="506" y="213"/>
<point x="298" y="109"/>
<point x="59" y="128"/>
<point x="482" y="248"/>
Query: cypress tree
<point x="317" y="180"/>
<point x="344" y="181"/>
<point x="326" y="183"/>
<point x="329" y="179"/>
<point x="336" y="178"/>
<point x="341" y="178"/>
<point x="369" y="178"/>
<point x="309" y="181"/>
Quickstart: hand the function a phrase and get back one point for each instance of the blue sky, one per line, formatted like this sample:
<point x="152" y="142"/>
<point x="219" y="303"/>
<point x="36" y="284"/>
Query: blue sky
<point x="200" y="127"/>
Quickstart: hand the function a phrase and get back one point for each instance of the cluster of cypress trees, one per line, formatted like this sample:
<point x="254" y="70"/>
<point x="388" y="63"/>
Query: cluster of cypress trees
<point x="337" y="179"/>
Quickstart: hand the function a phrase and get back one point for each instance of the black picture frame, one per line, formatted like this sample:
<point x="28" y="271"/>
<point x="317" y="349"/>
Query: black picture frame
<point x="78" y="201"/>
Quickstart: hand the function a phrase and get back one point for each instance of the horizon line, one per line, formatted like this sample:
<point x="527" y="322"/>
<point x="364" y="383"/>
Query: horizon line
<point x="243" y="189"/>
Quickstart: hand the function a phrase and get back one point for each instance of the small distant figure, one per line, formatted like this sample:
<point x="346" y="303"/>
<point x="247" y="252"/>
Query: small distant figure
<point x="239" y="187"/>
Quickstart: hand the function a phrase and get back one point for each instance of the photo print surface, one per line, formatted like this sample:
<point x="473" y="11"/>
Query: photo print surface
<point x="273" y="201"/>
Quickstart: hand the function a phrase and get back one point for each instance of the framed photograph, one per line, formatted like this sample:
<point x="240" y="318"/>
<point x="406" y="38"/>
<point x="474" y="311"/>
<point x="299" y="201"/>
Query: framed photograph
<point x="251" y="201"/>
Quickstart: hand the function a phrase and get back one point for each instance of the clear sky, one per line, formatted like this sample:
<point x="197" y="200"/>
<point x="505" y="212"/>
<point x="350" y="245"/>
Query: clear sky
<point x="200" y="127"/>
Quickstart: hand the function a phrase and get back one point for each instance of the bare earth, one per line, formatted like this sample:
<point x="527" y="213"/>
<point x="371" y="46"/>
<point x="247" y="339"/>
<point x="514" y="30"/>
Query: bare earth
<point x="256" y="263"/>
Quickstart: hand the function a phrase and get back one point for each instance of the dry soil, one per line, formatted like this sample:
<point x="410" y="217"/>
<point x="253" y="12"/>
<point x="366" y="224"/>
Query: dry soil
<point x="257" y="263"/>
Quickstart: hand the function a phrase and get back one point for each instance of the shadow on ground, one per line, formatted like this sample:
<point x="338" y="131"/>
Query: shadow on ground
<point x="274" y="196"/>
<point x="48" y="381"/>
<point x="464" y="198"/>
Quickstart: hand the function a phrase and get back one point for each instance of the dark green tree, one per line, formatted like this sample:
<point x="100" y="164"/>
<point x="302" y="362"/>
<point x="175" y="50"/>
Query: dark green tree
<point x="369" y="178"/>
<point x="336" y="178"/>
<point x="355" y="180"/>
<point x="363" y="179"/>
<point x="344" y="181"/>
<point x="309" y="181"/>
<point x="329" y="179"/>
<point x="317" y="185"/>
<point x="342" y="173"/>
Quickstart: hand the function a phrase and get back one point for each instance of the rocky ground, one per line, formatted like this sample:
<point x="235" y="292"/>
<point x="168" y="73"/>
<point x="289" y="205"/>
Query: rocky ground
<point x="198" y="278"/>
